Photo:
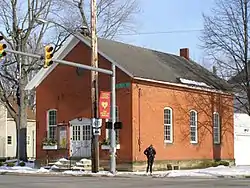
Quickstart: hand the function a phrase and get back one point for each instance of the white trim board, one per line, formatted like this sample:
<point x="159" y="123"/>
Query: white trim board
<point x="181" y="85"/>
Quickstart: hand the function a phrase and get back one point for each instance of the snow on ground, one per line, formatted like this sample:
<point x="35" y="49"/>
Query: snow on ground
<point x="208" y="172"/>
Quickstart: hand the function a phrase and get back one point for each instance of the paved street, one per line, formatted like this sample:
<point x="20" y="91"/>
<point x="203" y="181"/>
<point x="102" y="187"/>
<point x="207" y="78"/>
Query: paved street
<point x="119" y="182"/>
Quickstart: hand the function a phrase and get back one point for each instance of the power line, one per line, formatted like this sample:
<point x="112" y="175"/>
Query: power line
<point x="160" y="32"/>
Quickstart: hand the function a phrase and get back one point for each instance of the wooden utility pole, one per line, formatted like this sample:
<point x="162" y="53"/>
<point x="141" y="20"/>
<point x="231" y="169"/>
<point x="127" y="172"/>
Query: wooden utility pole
<point x="94" y="87"/>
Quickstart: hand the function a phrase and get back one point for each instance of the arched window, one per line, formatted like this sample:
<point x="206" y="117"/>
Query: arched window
<point x="168" y="125"/>
<point x="193" y="127"/>
<point x="216" y="127"/>
<point x="51" y="123"/>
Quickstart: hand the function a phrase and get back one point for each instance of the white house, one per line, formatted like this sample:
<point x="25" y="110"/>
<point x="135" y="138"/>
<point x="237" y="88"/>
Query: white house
<point x="8" y="141"/>
<point x="242" y="139"/>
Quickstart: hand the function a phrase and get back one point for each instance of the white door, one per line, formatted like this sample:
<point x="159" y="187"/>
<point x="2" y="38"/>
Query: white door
<point x="80" y="141"/>
<point x="242" y="150"/>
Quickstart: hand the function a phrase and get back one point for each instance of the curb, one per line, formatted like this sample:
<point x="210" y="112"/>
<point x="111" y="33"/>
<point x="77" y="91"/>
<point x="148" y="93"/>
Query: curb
<point x="56" y="174"/>
<point x="63" y="175"/>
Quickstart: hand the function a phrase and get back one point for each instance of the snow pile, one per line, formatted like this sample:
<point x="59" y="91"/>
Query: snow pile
<point x="227" y="171"/>
<point x="63" y="160"/>
<point x="219" y="171"/>
<point x="208" y="172"/>
<point x="81" y="173"/>
<point x="17" y="169"/>
<point x="194" y="83"/>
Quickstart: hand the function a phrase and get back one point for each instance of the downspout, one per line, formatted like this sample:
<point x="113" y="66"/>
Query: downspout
<point x="139" y="118"/>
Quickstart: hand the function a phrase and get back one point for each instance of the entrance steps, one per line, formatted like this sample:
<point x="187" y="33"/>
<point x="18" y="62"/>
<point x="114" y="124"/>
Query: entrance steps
<point x="65" y="164"/>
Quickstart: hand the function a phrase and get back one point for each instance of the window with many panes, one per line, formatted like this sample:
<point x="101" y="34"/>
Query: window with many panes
<point x="216" y="128"/>
<point x="52" y="123"/>
<point x="76" y="132"/>
<point x="193" y="127"/>
<point x="86" y="132"/>
<point x="117" y="131"/>
<point x="168" y="125"/>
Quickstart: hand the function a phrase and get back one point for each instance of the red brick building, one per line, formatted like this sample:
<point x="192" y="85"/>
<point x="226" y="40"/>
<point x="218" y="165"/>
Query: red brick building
<point x="166" y="100"/>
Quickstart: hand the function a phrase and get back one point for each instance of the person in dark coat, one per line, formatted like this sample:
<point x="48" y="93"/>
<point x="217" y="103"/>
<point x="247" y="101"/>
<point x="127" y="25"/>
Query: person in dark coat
<point x="150" y="153"/>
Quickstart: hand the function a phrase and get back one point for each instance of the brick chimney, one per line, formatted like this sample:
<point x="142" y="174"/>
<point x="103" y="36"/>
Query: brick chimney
<point x="184" y="52"/>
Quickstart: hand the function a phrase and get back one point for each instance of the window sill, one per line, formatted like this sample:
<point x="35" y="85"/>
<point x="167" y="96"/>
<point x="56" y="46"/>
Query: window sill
<point x="194" y="143"/>
<point x="168" y="142"/>
<point x="107" y="147"/>
<point x="217" y="143"/>
<point x="49" y="147"/>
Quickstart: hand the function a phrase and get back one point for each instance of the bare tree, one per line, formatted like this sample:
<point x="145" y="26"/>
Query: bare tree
<point x="226" y="40"/>
<point x="22" y="32"/>
<point x="205" y="104"/>
<point x="114" y="16"/>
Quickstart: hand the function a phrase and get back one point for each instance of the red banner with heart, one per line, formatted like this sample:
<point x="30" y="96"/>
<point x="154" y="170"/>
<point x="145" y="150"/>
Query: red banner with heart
<point x="104" y="105"/>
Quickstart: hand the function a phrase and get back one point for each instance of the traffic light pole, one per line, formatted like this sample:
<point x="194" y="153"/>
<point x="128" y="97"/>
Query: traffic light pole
<point x="70" y="63"/>
<point x="113" y="93"/>
<point x="113" y="136"/>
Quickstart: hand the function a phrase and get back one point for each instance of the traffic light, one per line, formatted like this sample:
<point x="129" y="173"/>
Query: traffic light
<point x="48" y="56"/>
<point x="2" y="47"/>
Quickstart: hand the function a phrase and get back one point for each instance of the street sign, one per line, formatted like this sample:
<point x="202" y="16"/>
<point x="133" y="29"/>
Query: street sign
<point x="122" y="85"/>
<point x="97" y="132"/>
<point x="96" y="126"/>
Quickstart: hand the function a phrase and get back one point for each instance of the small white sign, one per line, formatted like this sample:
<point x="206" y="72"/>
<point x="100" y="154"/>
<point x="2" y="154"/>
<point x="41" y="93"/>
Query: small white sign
<point x="96" y="123"/>
<point x="97" y="132"/>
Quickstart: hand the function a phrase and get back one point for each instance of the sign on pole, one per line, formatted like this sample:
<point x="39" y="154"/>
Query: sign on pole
<point x="96" y="126"/>
<point x="104" y="105"/>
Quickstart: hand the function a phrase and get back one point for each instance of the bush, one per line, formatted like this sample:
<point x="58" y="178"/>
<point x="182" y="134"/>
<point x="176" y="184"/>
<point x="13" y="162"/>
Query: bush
<point x="207" y="164"/>
<point x="169" y="167"/>
<point x="22" y="164"/>
<point x="224" y="163"/>
<point x="10" y="164"/>
<point x="1" y="163"/>
<point x="2" y="160"/>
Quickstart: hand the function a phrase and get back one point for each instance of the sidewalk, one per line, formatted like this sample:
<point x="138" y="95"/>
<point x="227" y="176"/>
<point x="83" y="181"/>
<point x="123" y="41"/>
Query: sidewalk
<point x="213" y="172"/>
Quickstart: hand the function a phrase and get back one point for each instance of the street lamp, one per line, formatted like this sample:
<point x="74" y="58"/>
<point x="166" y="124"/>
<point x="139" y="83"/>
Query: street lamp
<point x="113" y="92"/>
<point x="71" y="31"/>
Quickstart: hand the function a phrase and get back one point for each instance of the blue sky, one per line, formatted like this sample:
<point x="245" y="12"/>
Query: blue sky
<point x="171" y="15"/>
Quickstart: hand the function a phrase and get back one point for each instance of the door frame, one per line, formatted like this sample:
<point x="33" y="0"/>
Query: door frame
<point x="79" y="122"/>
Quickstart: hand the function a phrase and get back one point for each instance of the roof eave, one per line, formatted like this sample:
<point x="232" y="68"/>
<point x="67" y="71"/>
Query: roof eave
<point x="183" y="86"/>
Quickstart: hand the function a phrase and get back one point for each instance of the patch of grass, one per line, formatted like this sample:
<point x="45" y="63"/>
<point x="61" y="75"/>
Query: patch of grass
<point x="10" y="164"/>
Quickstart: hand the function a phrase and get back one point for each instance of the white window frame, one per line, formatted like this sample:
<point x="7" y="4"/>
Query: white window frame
<point x="167" y="124"/>
<point x="195" y="125"/>
<point x="218" y="128"/>
<point x="117" y="131"/>
<point x="48" y="125"/>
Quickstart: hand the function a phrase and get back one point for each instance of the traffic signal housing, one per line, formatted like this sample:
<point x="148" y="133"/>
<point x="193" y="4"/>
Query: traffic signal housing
<point x="48" y="56"/>
<point x="2" y="48"/>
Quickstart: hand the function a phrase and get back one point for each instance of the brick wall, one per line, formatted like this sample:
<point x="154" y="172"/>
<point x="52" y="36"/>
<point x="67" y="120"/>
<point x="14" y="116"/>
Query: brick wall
<point x="69" y="93"/>
<point x="148" y="122"/>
